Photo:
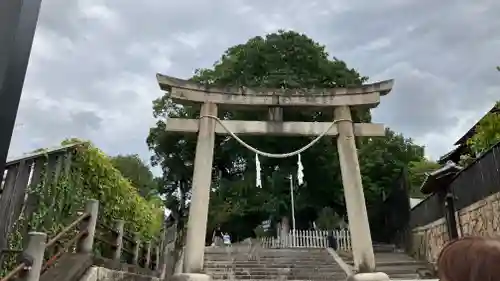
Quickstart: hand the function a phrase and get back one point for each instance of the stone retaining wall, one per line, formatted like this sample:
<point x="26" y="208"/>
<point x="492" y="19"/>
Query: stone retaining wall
<point x="479" y="219"/>
<point x="104" y="274"/>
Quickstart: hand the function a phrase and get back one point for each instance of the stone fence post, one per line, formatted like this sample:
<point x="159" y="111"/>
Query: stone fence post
<point x="136" y="249"/>
<point x="118" y="241"/>
<point x="157" y="257"/>
<point x="34" y="252"/>
<point x="147" y="258"/>
<point x="85" y="244"/>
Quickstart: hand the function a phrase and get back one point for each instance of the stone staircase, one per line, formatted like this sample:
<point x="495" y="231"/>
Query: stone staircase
<point x="396" y="263"/>
<point x="239" y="263"/>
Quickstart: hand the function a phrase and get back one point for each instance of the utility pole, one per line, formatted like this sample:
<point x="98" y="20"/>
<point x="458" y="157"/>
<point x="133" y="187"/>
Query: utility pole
<point x="292" y="202"/>
<point x="18" y="20"/>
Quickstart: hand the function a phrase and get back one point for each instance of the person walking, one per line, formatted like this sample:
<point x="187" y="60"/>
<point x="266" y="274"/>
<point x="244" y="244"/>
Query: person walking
<point x="332" y="240"/>
<point x="226" y="239"/>
<point x="217" y="238"/>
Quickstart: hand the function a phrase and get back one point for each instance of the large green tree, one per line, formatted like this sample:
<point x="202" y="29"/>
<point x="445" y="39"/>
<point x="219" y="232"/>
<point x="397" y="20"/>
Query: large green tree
<point x="137" y="172"/>
<point x="279" y="60"/>
<point x="418" y="171"/>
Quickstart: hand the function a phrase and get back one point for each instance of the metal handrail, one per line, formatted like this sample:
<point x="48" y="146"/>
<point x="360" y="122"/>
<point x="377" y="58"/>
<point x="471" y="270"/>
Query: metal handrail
<point x="67" y="228"/>
<point x="54" y="258"/>
<point x="31" y="254"/>
<point x="105" y="241"/>
<point x="14" y="272"/>
<point x="108" y="228"/>
<point x="51" y="242"/>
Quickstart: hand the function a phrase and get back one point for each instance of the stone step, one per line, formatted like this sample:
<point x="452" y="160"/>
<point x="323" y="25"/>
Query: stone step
<point x="243" y="257"/>
<point x="308" y="257"/>
<point x="392" y="269"/>
<point x="400" y="269"/>
<point x="261" y="265"/>
<point x="275" y="279"/>
<point x="271" y="263"/>
<point x="283" y="253"/>
<point x="386" y="258"/>
<point x="269" y="257"/>
<point x="267" y="254"/>
<point x="297" y="275"/>
<point x="271" y="269"/>
<point x="398" y="262"/>
<point x="396" y="270"/>
<point x="261" y="254"/>
<point x="392" y="255"/>
<point x="382" y="248"/>
<point x="301" y="249"/>
<point x="278" y="260"/>
<point x="269" y="250"/>
<point x="394" y="262"/>
<point x="282" y="259"/>
<point x="404" y="276"/>
<point x="411" y="263"/>
<point x="312" y="276"/>
<point x="289" y="258"/>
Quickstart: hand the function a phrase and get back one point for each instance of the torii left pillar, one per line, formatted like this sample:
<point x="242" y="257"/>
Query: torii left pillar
<point x="200" y="197"/>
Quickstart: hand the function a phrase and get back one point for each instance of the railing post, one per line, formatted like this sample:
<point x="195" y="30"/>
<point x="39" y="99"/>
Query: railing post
<point x="135" y="250"/>
<point x="157" y="257"/>
<point x="117" y="251"/>
<point x="35" y="250"/>
<point x="147" y="261"/>
<point x="85" y="244"/>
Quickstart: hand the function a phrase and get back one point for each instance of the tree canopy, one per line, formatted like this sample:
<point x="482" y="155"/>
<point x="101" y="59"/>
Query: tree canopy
<point x="278" y="60"/>
<point x="418" y="171"/>
<point x="137" y="172"/>
<point x="487" y="132"/>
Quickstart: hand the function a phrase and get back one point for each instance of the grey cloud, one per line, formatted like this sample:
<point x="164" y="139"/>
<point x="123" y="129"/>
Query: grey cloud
<point x="442" y="56"/>
<point x="86" y="119"/>
<point x="95" y="61"/>
<point x="419" y="99"/>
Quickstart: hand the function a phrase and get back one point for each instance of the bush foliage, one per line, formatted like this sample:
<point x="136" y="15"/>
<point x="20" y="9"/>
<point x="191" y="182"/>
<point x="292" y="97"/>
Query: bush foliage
<point x="118" y="198"/>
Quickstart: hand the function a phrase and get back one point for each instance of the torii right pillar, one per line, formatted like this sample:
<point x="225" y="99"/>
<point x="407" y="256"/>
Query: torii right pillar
<point x="362" y="249"/>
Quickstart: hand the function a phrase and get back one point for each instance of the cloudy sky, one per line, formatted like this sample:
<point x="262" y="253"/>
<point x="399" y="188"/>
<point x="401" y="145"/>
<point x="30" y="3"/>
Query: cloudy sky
<point x="93" y="64"/>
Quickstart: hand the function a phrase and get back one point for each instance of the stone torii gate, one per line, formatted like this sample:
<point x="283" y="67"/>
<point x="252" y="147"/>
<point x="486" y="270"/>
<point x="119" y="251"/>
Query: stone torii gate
<point x="334" y="101"/>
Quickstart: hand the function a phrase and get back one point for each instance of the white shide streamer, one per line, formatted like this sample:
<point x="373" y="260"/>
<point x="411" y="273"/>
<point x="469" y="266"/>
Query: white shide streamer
<point x="300" y="173"/>
<point x="258" y="180"/>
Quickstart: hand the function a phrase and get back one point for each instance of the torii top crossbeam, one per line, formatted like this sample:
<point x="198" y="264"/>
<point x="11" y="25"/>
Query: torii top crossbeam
<point x="187" y="92"/>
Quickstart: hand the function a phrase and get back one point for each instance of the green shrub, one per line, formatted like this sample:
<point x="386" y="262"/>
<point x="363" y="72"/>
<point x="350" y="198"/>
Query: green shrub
<point x="118" y="198"/>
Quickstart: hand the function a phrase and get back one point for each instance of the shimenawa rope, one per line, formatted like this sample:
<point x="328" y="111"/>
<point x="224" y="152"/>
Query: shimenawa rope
<point x="275" y="155"/>
<point x="300" y="174"/>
